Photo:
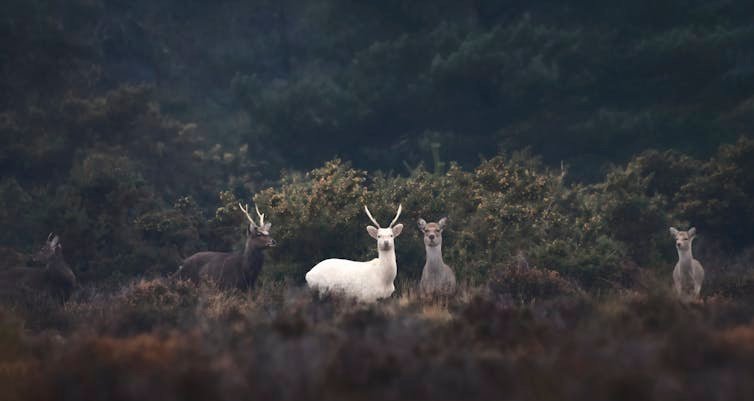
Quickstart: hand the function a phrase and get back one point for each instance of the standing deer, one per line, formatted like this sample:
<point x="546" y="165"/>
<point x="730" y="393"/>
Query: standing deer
<point x="232" y="269"/>
<point x="55" y="279"/>
<point x="437" y="277"/>
<point x="365" y="281"/>
<point x="688" y="271"/>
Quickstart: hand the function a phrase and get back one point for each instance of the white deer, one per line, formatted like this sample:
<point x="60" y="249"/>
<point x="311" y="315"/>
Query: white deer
<point x="365" y="281"/>
<point x="688" y="271"/>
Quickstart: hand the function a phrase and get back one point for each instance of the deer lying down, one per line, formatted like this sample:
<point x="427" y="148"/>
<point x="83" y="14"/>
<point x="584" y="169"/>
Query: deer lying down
<point x="55" y="280"/>
<point x="688" y="273"/>
<point x="437" y="277"/>
<point x="232" y="269"/>
<point x="365" y="281"/>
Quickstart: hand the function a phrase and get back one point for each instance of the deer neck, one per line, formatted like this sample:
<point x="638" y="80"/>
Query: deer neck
<point x="252" y="258"/>
<point x="389" y="265"/>
<point x="434" y="256"/>
<point x="251" y="264"/>
<point x="58" y="267"/>
<point x="685" y="257"/>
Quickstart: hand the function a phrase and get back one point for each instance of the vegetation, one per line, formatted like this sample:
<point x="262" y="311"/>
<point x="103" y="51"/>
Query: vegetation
<point x="553" y="291"/>
<point x="159" y="340"/>
<point x="561" y="139"/>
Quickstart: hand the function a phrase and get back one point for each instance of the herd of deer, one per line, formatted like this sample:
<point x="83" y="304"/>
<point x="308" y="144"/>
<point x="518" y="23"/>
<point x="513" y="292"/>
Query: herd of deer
<point x="364" y="281"/>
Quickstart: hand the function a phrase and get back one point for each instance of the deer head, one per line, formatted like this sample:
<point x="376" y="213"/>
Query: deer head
<point x="49" y="250"/>
<point x="432" y="231"/>
<point x="683" y="239"/>
<point x="257" y="235"/>
<point x="385" y="236"/>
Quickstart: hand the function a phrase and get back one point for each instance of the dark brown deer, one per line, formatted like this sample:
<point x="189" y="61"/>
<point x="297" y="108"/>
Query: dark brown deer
<point x="55" y="279"/>
<point x="232" y="269"/>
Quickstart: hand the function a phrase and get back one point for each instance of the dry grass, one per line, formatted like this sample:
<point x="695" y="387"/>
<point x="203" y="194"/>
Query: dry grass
<point x="156" y="339"/>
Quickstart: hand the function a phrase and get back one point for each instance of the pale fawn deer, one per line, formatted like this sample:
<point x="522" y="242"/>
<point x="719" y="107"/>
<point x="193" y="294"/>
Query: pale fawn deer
<point x="437" y="277"/>
<point x="688" y="273"/>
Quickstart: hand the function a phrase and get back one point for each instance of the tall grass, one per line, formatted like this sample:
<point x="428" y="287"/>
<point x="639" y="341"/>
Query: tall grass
<point x="537" y="337"/>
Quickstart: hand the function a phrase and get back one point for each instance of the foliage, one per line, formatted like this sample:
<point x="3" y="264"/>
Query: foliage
<point x="720" y="198"/>
<point x="505" y="207"/>
<point x="473" y="347"/>
<point x="580" y="82"/>
<point x="113" y="136"/>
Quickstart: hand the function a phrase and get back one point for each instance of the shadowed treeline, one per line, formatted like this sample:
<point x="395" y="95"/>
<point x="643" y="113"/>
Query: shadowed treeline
<point x="582" y="82"/>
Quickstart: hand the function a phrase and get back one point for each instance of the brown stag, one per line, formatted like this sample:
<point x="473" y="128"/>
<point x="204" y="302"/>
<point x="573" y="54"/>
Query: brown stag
<point x="232" y="269"/>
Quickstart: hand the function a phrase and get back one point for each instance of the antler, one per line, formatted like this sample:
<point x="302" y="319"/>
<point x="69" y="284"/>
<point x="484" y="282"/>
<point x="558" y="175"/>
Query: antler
<point x="261" y="216"/>
<point x="248" y="216"/>
<point x="370" y="217"/>
<point x="400" y="209"/>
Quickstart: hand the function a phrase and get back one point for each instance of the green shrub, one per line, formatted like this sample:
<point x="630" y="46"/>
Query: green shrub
<point x="720" y="199"/>
<point x="507" y="206"/>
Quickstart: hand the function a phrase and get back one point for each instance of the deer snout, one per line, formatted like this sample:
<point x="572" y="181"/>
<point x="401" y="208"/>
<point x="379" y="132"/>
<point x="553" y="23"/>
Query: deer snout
<point x="431" y="237"/>
<point x="272" y="243"/>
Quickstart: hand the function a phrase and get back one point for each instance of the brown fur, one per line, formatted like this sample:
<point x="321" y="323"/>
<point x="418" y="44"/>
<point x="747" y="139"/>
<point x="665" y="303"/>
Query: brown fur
<point x="238" y="270"/>
<point x="55" y="279"/>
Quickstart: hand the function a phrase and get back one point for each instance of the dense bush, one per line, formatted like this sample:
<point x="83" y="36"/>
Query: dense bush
<point x="507" y="206"/>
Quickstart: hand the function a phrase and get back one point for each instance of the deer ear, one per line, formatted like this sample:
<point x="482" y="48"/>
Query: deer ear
<point x="55" y="241"/>
<point x="422" y="224"/>
<point x="267" y="227"/>
<point x="397" y="229"/>
<point x="442" y="223"/>
<point x="673" y="232"/>
<point x="372" y="231"/>
<point x="692" y="232"/>
<point x="250" y="229"/>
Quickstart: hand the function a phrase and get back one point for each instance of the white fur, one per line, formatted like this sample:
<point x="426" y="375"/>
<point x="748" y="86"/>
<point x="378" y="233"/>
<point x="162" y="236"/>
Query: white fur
<point x="365" y="281"/>
<point x="688" y="270"/>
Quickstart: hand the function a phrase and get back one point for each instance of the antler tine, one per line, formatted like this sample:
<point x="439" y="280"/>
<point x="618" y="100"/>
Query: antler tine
<point x="397" y="215"/>
<point x="246" y="212"/>
<point x="261" y="216"/>
<point x="370" y="217"/>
